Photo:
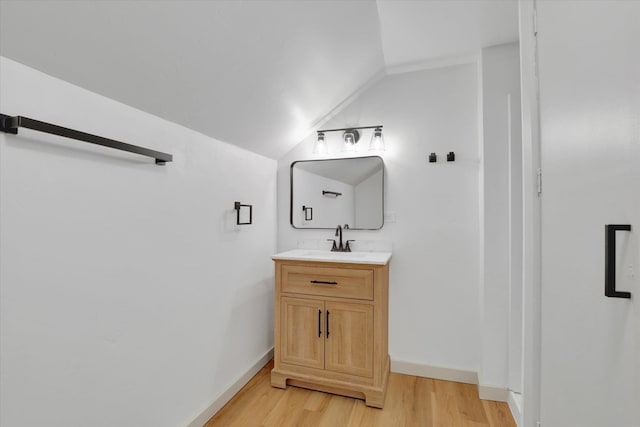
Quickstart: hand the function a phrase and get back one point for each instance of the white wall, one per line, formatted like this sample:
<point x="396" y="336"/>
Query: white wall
<point x="502" y="219"/>
<point x="127" y="295"/>
<point x="434" y="285"/>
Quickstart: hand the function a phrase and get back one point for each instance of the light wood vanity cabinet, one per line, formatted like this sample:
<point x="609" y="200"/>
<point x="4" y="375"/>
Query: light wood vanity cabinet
<point x="331" y="328"/>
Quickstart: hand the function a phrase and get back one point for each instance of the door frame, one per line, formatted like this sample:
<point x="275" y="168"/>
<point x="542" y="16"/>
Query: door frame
<point x="531" y="181"/>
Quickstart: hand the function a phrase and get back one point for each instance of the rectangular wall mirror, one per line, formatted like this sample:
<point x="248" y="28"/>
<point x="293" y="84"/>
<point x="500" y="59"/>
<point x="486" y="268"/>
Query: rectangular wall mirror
<point x="332" y="192"/>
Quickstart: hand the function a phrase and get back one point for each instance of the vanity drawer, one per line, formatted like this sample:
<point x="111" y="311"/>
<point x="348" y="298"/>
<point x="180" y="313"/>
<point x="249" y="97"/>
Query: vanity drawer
<point x="328" y="281"/>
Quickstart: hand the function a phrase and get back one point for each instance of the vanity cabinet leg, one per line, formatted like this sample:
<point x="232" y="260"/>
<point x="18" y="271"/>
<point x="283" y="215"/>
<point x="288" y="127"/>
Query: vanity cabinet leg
<point x="278" y="380"/>
<point x="374" y="399"/>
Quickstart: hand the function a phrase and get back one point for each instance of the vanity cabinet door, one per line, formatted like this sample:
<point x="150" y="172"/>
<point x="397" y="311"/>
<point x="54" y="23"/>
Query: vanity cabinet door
<point x="349" y="338"/>
<point x="302" y="332"/>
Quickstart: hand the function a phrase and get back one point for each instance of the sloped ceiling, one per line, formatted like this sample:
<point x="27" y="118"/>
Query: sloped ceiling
<point x="422" y="31"/>
<point x="349" y="171"/>
<point x="257" y="74"/>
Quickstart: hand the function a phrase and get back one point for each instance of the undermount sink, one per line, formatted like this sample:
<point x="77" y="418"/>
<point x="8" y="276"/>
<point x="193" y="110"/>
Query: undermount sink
<point x="328" y="256"/>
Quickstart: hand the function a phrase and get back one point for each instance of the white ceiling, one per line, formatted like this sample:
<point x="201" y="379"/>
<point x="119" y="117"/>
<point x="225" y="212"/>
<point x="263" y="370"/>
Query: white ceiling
<point x="257" y="74"/>
<point x="350" y="171"/>
<point x="421" y="31"/>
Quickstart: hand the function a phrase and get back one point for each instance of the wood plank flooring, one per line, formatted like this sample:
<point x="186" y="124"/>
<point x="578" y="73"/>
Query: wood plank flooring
<point x="411" y="401"/>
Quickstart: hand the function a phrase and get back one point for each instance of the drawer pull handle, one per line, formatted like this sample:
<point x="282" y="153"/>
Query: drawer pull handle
<point x="323" y="282"/>
<point x="319" y="323"/>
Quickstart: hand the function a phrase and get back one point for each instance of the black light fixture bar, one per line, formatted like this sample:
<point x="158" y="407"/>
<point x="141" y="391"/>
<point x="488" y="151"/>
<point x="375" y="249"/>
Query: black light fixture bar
<point x="351" y="128"/>
<point x="9" y="124"/>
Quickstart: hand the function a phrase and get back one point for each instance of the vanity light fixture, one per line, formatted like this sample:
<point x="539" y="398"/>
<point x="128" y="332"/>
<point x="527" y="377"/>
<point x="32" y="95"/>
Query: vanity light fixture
<point x="377" y="140"/>
<point x="350" y="136"/>
<point x="320" y="147"/>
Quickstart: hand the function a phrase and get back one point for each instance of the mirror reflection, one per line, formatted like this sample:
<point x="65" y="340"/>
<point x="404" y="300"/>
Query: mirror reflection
<point x="328" y="193"/>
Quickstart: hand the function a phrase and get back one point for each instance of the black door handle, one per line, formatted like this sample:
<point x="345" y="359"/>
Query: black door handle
<point x="610" y="260"/>
<point x="327" y="324"/>
<point x="319" y="323"/>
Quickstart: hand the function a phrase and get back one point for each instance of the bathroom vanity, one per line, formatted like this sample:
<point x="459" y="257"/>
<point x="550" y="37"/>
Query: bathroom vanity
<point x="331" y="322"/>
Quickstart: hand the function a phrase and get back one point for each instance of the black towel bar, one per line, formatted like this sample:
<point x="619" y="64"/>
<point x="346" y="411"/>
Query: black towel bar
<point x="9" y="124"/>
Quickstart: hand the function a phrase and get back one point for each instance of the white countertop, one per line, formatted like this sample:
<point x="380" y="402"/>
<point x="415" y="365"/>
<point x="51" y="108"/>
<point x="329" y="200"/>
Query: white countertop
<point x="379" y="258"/>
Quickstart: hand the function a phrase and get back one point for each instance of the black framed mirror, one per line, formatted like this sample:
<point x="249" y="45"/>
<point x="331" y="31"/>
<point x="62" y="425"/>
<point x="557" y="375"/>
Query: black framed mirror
<point x="347" y="191"/>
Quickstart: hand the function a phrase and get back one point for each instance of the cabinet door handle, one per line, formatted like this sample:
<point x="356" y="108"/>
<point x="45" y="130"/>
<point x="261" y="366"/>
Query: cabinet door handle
<point x="327" y="323"/>
<point x="319" y="323"/>
<point x="610" y="261"/>
<point x="323" y="282"/>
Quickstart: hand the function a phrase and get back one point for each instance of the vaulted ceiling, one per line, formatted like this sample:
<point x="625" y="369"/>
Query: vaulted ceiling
<point x="257" y="74"/>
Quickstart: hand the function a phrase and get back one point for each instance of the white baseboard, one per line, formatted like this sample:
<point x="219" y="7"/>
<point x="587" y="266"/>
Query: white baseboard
<point x="230" y="391"/>
<point x="448" y="374"/>
<point x="499" y="394"/>
<point x="515" y="404"/>
<point x="437" y="372"/>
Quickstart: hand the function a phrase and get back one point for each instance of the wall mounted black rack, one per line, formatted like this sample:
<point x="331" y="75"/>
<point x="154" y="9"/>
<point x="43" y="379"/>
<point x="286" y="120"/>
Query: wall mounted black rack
<point x="10" y="124"/>
<point x="237" y="206"/>
<point x="308" y="213"/>
<point x="331" y="193"/>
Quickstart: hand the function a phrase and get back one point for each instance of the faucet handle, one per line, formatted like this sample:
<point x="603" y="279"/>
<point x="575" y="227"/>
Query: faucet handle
<point x="334" y="248"/>
<point x="347" y="248"/>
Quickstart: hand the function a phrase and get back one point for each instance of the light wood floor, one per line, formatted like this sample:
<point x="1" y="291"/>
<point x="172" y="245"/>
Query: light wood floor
<point x="411" y="401"/>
